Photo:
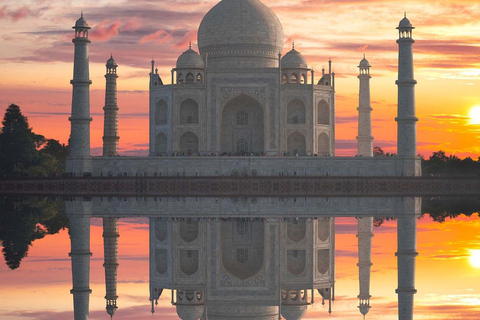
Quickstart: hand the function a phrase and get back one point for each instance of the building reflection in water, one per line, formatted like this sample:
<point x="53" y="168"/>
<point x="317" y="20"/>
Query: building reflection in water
<point x="264" y="268"/>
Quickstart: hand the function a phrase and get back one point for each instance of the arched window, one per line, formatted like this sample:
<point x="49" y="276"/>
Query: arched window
<point x="189" y="112"/>
<point x="242" y="118"/>
<point x="190" y="78"/>
<point x="323" y="113"/>
<point x="296" y="112"/>
<point x="303" y="79"/>
<point x="284" y="78"/>
<point x="161" y="113"/>
<point x="189" y="143"/>
<point x="180" y="78"/>
<point x="161" y="144"/>
<point x="296" y="144"/>
<point x="242" y="145"/>
<point x="323" y="145"/>
<point x="294" y="78"/>
<point x="199" y="78"/>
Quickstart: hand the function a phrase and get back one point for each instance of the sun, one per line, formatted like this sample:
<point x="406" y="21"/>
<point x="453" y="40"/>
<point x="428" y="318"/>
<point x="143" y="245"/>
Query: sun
<point x="475" y="258"/>
<point x="475" y="115"/>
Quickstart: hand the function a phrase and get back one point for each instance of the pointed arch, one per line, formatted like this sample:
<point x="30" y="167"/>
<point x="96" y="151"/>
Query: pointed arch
<point x="323" y="145"/>
<point x="189" y="262"/>
<point x="199" y="78"/>
<point x="161" y="260"/>
<point x="296" y="113"/>
<point x="296" y="144"/>
<point x="161" y="112"/>
<point x="189" y="143"/>
<point x="323" y="112"/>
<point x="189" y="112"/>
<point x="284" y="79"/>
<point x="161" y="144"/>
<point x="189" y="78"/>
<point x="293" y="78"/>
<point x="296" y="261"/>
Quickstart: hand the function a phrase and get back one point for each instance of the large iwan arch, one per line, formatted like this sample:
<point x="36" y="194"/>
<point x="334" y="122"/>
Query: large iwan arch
<point x="242" y="125"/>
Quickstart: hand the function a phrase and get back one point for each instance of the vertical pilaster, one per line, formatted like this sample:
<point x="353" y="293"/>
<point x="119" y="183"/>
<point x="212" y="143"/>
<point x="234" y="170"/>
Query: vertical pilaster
<point x="364" y="235"/>
<point x="406" y="255"/>
<point x="79" y="214"/>
<point x="406" y="117"/>
<point x="364" y="138"/>
<point x="110" y="244"/>
<point x="110" y="128"/>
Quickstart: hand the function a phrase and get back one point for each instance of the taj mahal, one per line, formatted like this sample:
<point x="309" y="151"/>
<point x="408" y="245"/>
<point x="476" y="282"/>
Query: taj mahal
<point x="240" y="106"/>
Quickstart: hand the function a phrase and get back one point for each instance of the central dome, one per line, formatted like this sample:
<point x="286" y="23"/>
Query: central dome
<point x="241" y="34"/>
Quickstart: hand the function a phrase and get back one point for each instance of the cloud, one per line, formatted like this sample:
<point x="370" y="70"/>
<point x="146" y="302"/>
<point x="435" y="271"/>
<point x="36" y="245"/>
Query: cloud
<point x="159" y="37"/>
<point x="18" y="14"/>
<point x="105" y="31"/>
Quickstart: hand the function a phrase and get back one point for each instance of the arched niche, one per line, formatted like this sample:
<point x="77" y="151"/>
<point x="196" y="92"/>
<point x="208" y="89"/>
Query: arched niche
<point x="296" y="144"/>
<point x="199" y="78"/>
<point x="323" y="261"/>
<point x="189" y="231"/>
<point x="284" y="79"/>
<point x="180" y="78"/>
<point x="323" y="229"/>
<point x="296" y="230"/>
<point x="296" y="261"/>
<point x="189" y="262"/>
<point x="323" y="113"/>
<point x="189" y="112"/>
<point x="294" y="78"/>
<point x="161" y="230"/>
<point x="189" y="78"/>
<point x="161" y="144"/>
<point x="161" y="113"/>
<point x="242" y="248"/>
<point x="189" y="143"/>
<point x="242" y="118"/>
<point x="323" y="145"/>
<point x="296" y="113"/>
<point x="161" y="261"/>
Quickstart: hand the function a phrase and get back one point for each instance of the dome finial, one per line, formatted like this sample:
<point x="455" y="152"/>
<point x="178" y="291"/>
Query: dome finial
<point x="405" y="13"/>
<point x="190" y="45"/>
<point x="293" y="45"/>
<point x="81" y="14"/>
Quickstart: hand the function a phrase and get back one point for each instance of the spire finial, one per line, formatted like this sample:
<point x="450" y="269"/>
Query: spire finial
<point x="405" y="14"/>
<point x="190" y="45"/>
<point x="111" y="55"/>
<point x="293" y="45"/>
<point x="81" y="14"/>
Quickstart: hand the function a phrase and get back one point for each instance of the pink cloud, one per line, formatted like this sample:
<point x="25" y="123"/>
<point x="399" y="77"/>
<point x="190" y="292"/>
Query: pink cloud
<point x="187" y="38"/>
<point x="131" y="25"/>
<point x="105" y="31"/>
<point x="16" y="15"/>
<point x="161" y="36"/>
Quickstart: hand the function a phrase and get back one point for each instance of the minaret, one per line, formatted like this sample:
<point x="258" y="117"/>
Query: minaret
<point x="80" y="119"/>
<point x="406" y="255"/>
<point x="110" y="128"/>
<point x="406" y="119"/>
<point x="364" y="138"/>
<point x="110" y="244"/>
<point x="364" y="235"/>
<point x="79" y="220"/>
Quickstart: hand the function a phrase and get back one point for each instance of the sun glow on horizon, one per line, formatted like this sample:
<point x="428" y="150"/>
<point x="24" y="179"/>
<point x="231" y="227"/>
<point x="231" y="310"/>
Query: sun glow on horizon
<point x="474" y="115"/>
<point x="474" y="258"/>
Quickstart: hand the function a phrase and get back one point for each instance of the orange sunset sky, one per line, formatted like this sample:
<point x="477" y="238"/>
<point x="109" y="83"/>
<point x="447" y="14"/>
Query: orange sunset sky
<point x="36" y="62"/>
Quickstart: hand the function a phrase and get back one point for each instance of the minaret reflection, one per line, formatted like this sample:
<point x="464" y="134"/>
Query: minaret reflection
<point x="250" y="268"/>
<point x="364" y="235"/>
<point x="110" y="245"/>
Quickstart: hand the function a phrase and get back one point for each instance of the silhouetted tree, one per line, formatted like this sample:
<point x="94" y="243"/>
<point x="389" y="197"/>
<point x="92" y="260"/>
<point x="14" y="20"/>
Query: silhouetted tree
<point x="24" y="221"/>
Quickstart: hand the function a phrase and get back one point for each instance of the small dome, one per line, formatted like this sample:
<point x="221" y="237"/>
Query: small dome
<point x="294" y="312"/>
<point x="190" y="312"/>
<point x="364" y="63"/>
<point x="294" y="60"/>
<point x="111" y="63"/>
<point x="405" y="23"/>
<point x="190" y="59"/>
<point x="81" y="23"/>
